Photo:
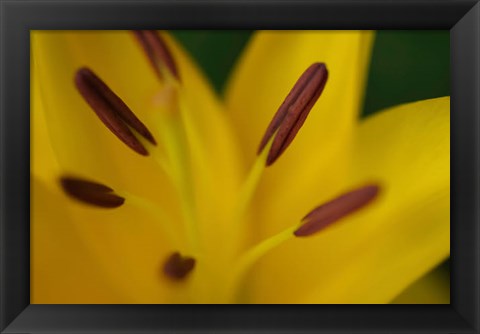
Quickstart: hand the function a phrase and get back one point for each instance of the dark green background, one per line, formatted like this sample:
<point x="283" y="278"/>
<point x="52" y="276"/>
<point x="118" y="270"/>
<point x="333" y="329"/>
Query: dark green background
<point x="406" y="65"/>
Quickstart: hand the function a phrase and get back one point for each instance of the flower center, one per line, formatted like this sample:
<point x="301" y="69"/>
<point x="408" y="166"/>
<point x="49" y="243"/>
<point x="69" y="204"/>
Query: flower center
<point x="173" y="158"/>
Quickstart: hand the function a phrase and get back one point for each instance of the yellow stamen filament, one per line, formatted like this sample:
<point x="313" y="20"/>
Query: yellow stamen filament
<point x="248" y="259"/>
<point x="317" y="220"/>
<point x="250" y="185"/>
<point x="156" y="211"/>
<point x="245" y="197"/>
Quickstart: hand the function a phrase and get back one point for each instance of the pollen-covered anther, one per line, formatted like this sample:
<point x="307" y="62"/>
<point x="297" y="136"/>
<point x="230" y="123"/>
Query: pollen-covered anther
<point x="157" y="52"/>
<point x="330" y="212"/>
<point x="90" y="192"/>
<point x="177" y="267"/>
<point x="111" y="110"/>
<point x="294" y="110"/>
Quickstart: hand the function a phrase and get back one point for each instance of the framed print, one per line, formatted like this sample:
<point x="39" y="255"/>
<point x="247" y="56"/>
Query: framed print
<point x="239" y="166"/>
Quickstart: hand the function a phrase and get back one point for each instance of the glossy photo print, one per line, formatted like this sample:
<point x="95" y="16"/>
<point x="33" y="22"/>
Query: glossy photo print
<point x="251" y="167"/>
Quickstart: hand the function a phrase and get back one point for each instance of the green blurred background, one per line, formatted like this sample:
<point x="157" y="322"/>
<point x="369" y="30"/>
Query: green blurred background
<point x="406" y="66"/>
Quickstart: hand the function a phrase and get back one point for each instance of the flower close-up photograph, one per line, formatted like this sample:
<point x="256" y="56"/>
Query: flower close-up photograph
<point x="239" y="167"/>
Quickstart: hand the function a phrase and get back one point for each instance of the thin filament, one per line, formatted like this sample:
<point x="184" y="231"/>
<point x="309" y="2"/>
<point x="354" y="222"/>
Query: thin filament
<point x="155" y="211"/>
<point x="254" y="254"/>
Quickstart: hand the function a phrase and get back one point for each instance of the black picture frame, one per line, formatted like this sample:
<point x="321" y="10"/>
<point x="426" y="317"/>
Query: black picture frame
<point x="18" y="17"/>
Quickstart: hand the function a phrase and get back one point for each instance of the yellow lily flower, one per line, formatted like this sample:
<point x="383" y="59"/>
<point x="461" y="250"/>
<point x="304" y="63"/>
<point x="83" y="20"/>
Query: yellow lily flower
<point x="146" y="188"/>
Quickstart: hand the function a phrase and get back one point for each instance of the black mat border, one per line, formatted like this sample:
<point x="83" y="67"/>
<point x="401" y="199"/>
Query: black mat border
<point x="19" y="16"/>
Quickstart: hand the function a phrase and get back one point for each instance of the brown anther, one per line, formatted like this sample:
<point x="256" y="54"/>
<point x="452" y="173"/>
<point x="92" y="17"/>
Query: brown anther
<point x="111" y="110"/>
<point x="330" y="212"/>
<point x="294" y="110"/>
<point x="157" y="51"/>
<point x="91" y="192"/>
<point x="177" y="267"/>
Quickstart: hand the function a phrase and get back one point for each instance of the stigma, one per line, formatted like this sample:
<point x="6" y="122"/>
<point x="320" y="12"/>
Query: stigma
<point x="294" y="110"/>
<point x="112" y="111"/>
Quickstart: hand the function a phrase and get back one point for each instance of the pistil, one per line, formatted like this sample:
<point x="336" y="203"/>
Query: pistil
<point x="170" y="126"/>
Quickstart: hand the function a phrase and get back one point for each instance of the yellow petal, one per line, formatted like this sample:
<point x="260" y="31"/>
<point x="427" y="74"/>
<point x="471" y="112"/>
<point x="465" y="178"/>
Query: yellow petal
<point x="62" y="271"/>
<point x="43" y="163"/>
<point x="374" y="254"/>
<point x="270" y="66"/>
<point x="433" y="288"/>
